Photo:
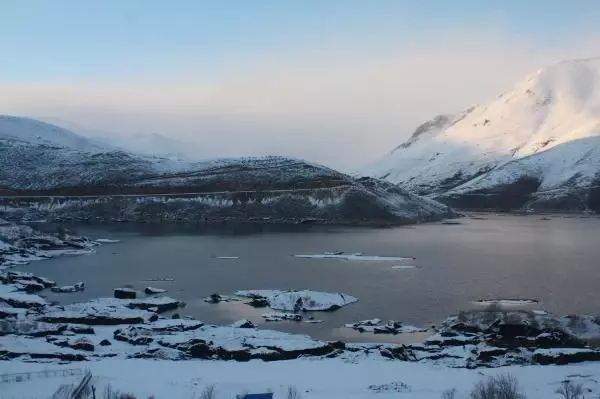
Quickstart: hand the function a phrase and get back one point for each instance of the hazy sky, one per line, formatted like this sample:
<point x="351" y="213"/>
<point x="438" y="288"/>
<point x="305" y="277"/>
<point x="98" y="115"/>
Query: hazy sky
<point x="335" y="81"/>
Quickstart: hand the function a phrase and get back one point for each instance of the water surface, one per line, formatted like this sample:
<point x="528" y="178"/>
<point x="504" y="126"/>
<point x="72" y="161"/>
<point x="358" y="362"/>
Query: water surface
<point x="555" y="261"/>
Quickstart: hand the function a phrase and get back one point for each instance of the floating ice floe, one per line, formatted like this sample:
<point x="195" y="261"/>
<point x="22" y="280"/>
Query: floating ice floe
<point x="399" y="267"/>
<point x="357" y="256"/>
<point x="506" y="302"/>
<point x="106" y="241"/>
<point x="277" y="316"/>
<point x="296" y="301"/>
<point x="227" y="257"/>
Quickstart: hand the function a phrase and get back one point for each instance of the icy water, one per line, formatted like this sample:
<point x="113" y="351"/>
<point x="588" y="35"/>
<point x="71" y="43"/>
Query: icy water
<point x="555" y="261"/>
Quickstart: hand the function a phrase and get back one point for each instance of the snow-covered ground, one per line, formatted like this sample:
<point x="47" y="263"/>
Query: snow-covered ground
<point x="546" y="127"/>
<point x="316" y="379"/>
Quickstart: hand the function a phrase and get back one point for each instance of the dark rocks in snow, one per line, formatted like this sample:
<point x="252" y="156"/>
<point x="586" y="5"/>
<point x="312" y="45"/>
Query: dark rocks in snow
<point x="92" y="319"/>
<point x="153" y="291"/>
<point x="214" y="298"/>
<point x="243" y="324"/>
<point x="155" y="304"/>
<point x="81" y="329"/>
<point x="105" y="342"/>
<point x="259" y="302"/>
<point x="125" y="293"/>
<point x="29" y="286"/>
<point x="83" y="344"/>
<point x="77" y="287"/>
<point x="562" y="357"/>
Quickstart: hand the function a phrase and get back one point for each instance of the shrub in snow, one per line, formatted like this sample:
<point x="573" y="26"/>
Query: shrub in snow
<point x="293" y="393"/>
<point x="208" y="393"/>
<point x="569" y="390"/>
<point x="504" y="386"/>
<point x="449" y="394"/>
<point x="110" y="393"/>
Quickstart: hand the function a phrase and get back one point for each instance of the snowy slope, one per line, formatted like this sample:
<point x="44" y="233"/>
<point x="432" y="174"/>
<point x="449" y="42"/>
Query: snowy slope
<point x="43" y="160"/>
<point x="37" y="132"/>
<point x="546" y="125"/>
<point x="154" y="144"/>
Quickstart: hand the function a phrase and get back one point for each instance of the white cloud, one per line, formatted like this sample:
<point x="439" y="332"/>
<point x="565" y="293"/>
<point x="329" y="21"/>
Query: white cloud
<point x="338" y="109"/>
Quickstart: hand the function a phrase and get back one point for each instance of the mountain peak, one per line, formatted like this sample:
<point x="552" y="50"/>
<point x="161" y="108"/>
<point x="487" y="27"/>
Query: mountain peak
<point x="547" y="109"/>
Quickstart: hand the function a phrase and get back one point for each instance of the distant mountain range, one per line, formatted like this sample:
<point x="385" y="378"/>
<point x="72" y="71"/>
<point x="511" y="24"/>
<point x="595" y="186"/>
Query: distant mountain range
<point x="64" y="174"/>
<point x="535" y="146"/>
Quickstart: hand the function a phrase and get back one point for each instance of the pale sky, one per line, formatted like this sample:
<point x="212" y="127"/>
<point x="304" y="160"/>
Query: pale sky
<point x="339" y="82"/>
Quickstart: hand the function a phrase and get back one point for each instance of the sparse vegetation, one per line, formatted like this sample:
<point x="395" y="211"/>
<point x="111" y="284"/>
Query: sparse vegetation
<point x="110" y="393"/>
<point x="293" y="393"/>
<point x="570" y="390"/>
<point x="209" y="393"/>
<point x="449" y="394"/>
<point x="504" y="386"/>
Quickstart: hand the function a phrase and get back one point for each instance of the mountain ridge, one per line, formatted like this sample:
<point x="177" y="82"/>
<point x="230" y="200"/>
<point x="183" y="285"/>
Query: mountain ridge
<point x="535" y="119"/>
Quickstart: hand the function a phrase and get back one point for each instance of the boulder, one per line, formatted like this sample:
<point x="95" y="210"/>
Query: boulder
<point x="243" y="324"/>
<point x="29" y="286"/>
<point x="125" y="293"/>
<point x="153" y="291"/>
<point x="105" y="342"/>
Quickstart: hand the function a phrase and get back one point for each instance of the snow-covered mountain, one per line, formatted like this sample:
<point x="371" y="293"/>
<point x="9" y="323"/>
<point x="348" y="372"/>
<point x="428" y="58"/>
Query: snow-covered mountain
<point x="36" y="132"/>
<point x="41" y="160"/>
<point x="540" y="141"/>
<point x="153" y="144"/>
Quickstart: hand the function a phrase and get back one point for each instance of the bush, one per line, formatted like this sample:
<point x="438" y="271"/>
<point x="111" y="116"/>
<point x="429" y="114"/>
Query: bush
<point x="503" y="386"/>
<point x="109" y="393"/>
<point x="449" y="394"/>
<point x="208" y="393"/>
<point x="292" y="393"/>
<point x="568" y="390"/>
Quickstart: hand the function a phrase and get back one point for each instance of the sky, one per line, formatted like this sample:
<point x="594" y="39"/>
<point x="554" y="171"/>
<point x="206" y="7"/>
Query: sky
<point x="340" y="82"/>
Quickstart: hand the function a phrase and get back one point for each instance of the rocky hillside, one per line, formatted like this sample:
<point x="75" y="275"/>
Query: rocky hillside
<point x="536" y="145"/>
<point x="53" y="173"/>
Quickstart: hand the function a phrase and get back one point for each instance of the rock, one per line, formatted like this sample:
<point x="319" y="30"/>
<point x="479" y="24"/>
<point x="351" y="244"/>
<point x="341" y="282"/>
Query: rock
<point x="29" y="286"/>
<point x="44" y="281"/>
<point x="81" y="329"/>
<point x="153" y="291"/>
<point x="153" y="318"/>
<point x="487" y="354"/>
<point x="243" y="324"/>
<point x="214" y="298"/>
<point x="83" y="344"/>
<point x="564" y="356"/>
<point x="259" y="302"/>
<point x="125" y="293"/>
<point x="155" y="304"/>
<point x="80" y="286"/>
<point x="105" y="342"/>
<point x="176" y="316"/>
<point x="276" y="316"/>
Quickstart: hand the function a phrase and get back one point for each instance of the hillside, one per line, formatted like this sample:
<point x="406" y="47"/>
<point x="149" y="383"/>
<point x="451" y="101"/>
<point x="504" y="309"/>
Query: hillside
<point x="54" y="173"/>
<point x="538" y="140"/>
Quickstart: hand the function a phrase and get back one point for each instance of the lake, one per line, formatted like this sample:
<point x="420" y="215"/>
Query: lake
<point x="554" y="259"/>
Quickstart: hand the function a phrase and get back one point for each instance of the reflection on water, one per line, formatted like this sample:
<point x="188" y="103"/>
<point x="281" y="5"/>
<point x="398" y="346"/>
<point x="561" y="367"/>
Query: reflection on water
<point x="513" y="257"/>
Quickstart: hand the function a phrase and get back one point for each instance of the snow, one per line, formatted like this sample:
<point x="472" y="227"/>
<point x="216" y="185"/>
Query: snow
<point x="9" y="295"/>
<point x="547" y="126"/>
<point x="304" y="300"/>
<point x="34" y="131"/>
<point x="320" y="379"/>
<point x="374" y="258"/>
